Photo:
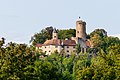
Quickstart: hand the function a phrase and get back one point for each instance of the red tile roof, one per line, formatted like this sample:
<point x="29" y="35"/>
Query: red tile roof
<point x="88" y="43"/>
<point x="69" y="42"/>
<point x="39" y="45"/>
<point x="60" y="42"/>
<point x="52" y="42"/>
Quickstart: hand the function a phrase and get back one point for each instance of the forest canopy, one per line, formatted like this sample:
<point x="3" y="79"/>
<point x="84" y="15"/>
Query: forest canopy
<point x="23" y="62"/>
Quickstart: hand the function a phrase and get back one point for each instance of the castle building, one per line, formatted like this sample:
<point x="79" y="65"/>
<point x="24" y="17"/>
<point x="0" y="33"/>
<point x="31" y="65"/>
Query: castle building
<point x="68" y="46"/>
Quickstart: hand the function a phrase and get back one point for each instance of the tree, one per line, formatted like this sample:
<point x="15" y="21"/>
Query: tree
<point x="110" y="41"/>
<point x="100" y="32"/>
<point x="63" y="34"/>
<point x="42" y="70"/>
<point x="13" y="61"/>
<point x="97" y="41"/>
<point x="97" y="37"/>
<point x="42" y="36"/>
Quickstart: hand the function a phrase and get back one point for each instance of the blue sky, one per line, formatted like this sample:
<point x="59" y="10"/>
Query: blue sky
<point x="20" y="19"/>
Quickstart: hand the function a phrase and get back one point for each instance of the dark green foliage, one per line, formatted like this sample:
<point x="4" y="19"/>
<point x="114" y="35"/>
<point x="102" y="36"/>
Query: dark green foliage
<point x="100" y="40"/>
<point x="63" y="34"/>
<point x="97" y="38"/>
<point x="42" y="36"/>
<point x="88" y="36"/>
<point x="42" y="70"/>
<point x="100" y="32"/>
<point x="13" y="60"/>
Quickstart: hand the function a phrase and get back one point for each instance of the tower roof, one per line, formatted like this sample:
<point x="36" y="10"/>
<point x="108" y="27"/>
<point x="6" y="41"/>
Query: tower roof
<point x="81" y="22"/>
<point x="54" y="30"/>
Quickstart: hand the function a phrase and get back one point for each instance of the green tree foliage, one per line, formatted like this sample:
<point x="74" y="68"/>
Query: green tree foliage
<point x="13" y="59"/>
<point x="63" y="64"/>
<point x="100" y="32"/>
<point x="97" y="41"/>
<point x="97" y="37"/>
<point x="63" y="34"/>
<point x="81" y="65"/>
<point x="100" y="40"/>
<point x="110" y="41"/>
<point x="105" y="67"/>
<point x="42" y="70"/>
<point x="42" y="36"/>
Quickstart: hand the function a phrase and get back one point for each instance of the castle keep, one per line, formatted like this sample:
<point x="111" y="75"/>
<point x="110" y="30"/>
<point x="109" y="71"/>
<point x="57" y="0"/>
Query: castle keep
<point x="68" y="46"/>
<point x="81" y="29"/>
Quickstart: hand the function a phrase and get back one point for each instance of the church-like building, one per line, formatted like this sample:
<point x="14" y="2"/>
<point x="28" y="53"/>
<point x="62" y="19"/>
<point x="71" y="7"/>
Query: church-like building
<point x="68" y="46"/>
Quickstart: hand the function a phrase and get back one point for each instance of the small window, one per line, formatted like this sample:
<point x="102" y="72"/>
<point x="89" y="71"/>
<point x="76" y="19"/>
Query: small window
<point x="45" y="51"/>
<point x="77" y="31"/>
<point x="56" y="46"/>
<point x="73" y="46"/>
<point x="74" y="50"/>
<point x="54" y="36"/>
<point x="82" y="50"/>
<point x="45" y="46"/>
<point x="67" y="46"/>
<point x="67" y="50"/>
<point x="62" y="46"/>
<point x="49" y="51"/>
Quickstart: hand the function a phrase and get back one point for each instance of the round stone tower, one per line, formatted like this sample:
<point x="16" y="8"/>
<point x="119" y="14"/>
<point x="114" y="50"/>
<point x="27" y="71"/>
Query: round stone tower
<point x="55" y="34"/>
<point x="81" y="29"/>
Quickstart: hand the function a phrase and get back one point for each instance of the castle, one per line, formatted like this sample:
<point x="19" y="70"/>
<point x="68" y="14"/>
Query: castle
<point x="67" y="45"/>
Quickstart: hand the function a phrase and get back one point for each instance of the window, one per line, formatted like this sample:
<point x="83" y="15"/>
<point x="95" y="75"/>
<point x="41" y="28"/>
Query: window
<point x="54" y="36"/>
<point x="82" y="50"/>
<point x="68" y="55"/>
<point x="67" y="46"/>
<point x="77" y="31"/>
<point x="67" y="50"/>
<point x="45" y="46"/>
<point x="74" y="50"/>
<point x="73" y="46"/>
<point x="56" y="46"/>
<point x="49" y="51"/>
<point x="62" y="46"/>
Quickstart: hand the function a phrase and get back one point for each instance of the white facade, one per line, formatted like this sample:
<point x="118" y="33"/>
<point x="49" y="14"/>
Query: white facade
<point x="48" y="49"/>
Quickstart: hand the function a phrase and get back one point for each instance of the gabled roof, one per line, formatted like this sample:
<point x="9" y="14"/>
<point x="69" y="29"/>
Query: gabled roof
<point x="53" y="42"/>
<point x="69" y="42"/>
<point x="60" y="42"/>
<point x="39" y="45"/>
